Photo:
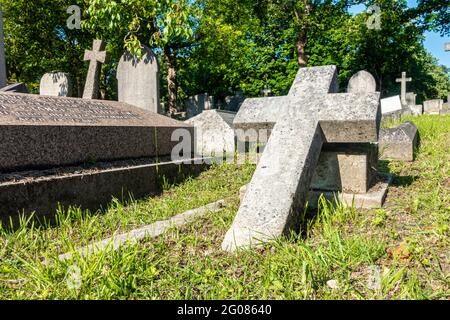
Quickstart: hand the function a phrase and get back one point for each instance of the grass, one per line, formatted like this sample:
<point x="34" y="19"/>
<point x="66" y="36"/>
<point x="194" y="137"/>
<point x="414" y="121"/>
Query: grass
<point x="398" y="252"/>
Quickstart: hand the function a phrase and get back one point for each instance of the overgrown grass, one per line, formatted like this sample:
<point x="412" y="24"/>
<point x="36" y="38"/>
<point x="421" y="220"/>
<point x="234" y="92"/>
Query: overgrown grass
<point x="398" y="252"/>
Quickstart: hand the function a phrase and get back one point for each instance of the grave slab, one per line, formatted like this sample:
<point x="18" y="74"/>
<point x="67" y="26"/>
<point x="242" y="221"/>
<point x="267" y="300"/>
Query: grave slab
<point x="15" y="87"/>
<point x="44" y="132"/>
<point x="399" y="143"/>
<point x="312" y="114"/>
<point x="391" y="105"/>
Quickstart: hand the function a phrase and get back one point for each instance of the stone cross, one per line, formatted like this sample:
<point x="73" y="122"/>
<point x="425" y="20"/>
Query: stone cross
<point x="2" y="53"/>
<point x="403" y="80"/>
<point x="266" y="91"/>
<point x="96" y="57"/>
<point x="312" y="114"/>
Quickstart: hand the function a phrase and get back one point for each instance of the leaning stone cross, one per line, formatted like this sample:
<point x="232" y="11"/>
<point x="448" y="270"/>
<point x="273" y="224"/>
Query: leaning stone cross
<point x="312" y="114"/>
<point x="403" y="80"/>
<point x="96" y="56"/>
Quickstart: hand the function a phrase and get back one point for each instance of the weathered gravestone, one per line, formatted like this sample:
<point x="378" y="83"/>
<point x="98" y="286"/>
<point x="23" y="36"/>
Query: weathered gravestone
<point x="80" y="152"/>
<point x="311" y="115"/>
<point x="2" y="52"/>
<point x="138" y="81"/>
<point x="398" y="143"/>
<point x="391" y="105"/>
<point x="197" y="104"/>
<point x="362" y="82"/>
<point x="56" y="84"/>
<point x="214" y="133"/>
<point x="433" y="106"/>
<point x="96" y="57"/>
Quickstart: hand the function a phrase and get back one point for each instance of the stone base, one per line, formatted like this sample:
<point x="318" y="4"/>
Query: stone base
<point x="373" y="199"/>
<point x="89" y="188"/>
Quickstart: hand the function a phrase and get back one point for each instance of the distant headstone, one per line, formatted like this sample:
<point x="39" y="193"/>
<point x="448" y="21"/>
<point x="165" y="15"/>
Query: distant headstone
<point x="197" y="104"/>
<point x="96" y="57"/>
<point x="403" y="80"/>
<point x="214" y="132"/>
<point x="391" y="104"/>
<point x="433" y="106"/>
<point x="138" y="81"/>
<point x="411" y="98"/>
<point x="233" y="103"/>
<point x="2" y="52"/>
<point x="56" y="84"/>
<point x="362" y="82"/>
<point x="416" y="110"/>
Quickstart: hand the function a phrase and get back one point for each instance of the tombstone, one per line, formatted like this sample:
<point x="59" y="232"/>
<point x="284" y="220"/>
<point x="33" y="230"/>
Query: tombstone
<point x="2" y="53"/>
<point x="214" y="133"/>
<point x="233" y="103"/>
<point x="96" y="57"/>
<point x="80" y="152"/>
<point x="391" y="105"/>
<point x="411" y="99"/>
<point x="416" y="110"/>
<point x="362" y="82"/>
<point x="15" y="87"/>
<point x="56" y="84"/>
<point x="403" y="80"/>
<point x="311" y="115"/>
<point x="138" y="81"/>
<point x="197" y="104"/>
<point x="398" y="143"/>
<point x="432" y="106"/>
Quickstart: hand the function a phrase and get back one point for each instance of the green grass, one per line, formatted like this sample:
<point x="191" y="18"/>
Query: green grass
<point x="398" y="252"/>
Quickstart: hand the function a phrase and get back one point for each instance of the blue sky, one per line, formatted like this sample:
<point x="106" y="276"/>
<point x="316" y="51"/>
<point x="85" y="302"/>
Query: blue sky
<point x="433" y="41"/>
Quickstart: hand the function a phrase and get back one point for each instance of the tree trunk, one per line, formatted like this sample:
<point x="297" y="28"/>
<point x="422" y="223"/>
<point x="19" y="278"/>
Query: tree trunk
<point x="172" y="82"/>
<point x="301" y="53"/>
<point x="302" y="38"/>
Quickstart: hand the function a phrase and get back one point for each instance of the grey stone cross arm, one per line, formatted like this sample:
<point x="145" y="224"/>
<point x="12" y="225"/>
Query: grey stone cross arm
<point x="96" y="56"/>
<point x="309" y="116"/>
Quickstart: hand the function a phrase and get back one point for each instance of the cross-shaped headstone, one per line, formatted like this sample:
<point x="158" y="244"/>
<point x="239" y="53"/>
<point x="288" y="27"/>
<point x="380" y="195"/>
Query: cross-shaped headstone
<point x="266" y="91"/>
<point x="96" y="56"/>
<point x="311" y="114"/>
<point x="2" y="53"/>
<point x="403" y="80"/>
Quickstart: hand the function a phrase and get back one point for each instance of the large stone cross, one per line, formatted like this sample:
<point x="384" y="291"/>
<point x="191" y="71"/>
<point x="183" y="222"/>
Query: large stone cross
<point x="96" y="57"/>
<point x="312" y="114"/>
<point x="403" y="80"/>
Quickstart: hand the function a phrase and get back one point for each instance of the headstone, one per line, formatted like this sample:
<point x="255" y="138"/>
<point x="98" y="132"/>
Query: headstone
<point x="96" y="57"/>
<point x="138" y="81"/>
<point x="311" y="115"/>
<point x="391" y="105"/>
<point x="197" y="104"/>
<point x="214" y="132"/>
<point x="411" y="98"/>
<point x="403" y="80"/>
<point x="398" y="143"/>
<point x="233" y="103"/>
<point x="15" y="87"/>
<point x="432" y="106"/>
<point x="416" y="110"/>
<point x="56" y="84"/>
<point x="41" y="132"/>
<point x="362" y="82"/>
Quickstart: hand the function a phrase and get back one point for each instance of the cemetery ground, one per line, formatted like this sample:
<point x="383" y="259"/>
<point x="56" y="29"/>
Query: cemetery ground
<point x="398" y="252"/>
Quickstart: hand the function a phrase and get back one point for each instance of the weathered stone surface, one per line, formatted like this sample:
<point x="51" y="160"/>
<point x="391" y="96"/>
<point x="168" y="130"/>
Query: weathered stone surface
<point x="138" y="81"/>
<point x="15" y="87"/>
<point x="88" y="188"/>
<point x="362" y="82"/>
<point x="432" y="106"/>
<point x="403" y="80"/>
<point x="151" y="231"/>
<point x="214" y="132"/>
<point x="41" y="132"/>
<point x="96" y="57"/>
<point x="310" y="116"/>
<point x="399" y="143"/>
<point x="416" y="110"/>
<point x="411" y="98"/>
<point x="3" y="79"/>
<point x="348" y="168"/>
<point x="391" y="105"/>
<point x="56" y="84"/>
